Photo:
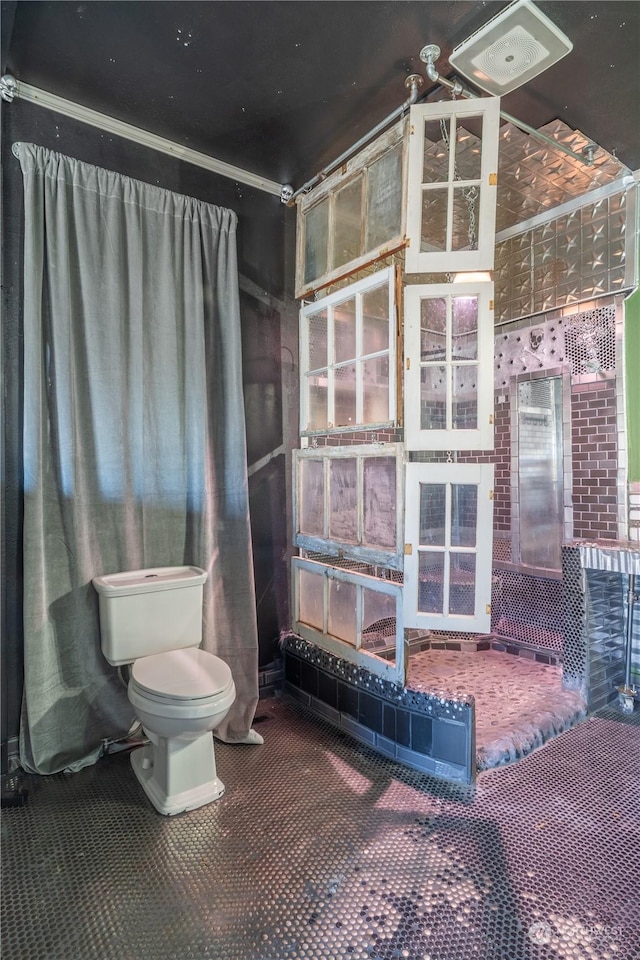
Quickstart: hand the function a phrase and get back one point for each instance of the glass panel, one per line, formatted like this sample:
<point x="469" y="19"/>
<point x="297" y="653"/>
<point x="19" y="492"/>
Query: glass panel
<point x="344" y="330"/>
<point x="316" y="234"/>
<point x="343" y="499"/>
<point x="540" y="456"/>
<point x="464" y="328"/>
<point x="384" y="198"/>
<point x="347" y="223"/>
<point x="342" y="611"/>
<point x="345" y="396"/>
<point x="317" y="401"/>
<point x="462" y="583"/>
<point x="311" y="599"/>
<point x="379" y="510"/>
<point x="433" y="398"/>
<point x="375" y="386"/>
<point x="431" y="583"/>
<point x="464" y="514"/>
<point x="311" y="498"/>
<point x="435" y="167"/>
<point x="433" y="227"/>
<point x="469" y="150"/>
<point x="375" y="320"/>
<point x="466" y="206"/>
<point x="317" y="332"/>
<point x="433" y="328"/>
<point x="378" y="620"/>
<point x="433" y="511"/>
<point x="464" y="407"/>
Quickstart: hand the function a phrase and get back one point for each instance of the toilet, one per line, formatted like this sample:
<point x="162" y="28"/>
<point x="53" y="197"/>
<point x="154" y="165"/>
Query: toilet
<point x="152" y="620"/>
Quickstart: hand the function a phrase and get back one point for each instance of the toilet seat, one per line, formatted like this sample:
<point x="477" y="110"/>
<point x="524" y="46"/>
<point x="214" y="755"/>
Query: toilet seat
<point x="181" y="676"/>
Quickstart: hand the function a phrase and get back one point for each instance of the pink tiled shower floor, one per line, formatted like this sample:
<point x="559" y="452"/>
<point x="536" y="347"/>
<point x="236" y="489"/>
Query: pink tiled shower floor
<point x="520" y="704"/>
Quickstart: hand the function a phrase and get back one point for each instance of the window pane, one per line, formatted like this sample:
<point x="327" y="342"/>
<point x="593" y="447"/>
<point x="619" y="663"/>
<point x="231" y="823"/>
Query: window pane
<point x="375" y="320"/>
<point x="379" y="494"/>
<point x="317" y="333"/>
<point x="464" y="328"/>
<point x="311" y="599"/>
<point x="343" y="480"/>
<point x="384" y="198"/>
<point x="433" y="328"/>
<point x="464" y="514"/>
<point x="378" y="619"/>
<point x="468" y="150"/>
<point x="464" y="409"/>
<point x="317" y="401"/>
<point x="466" y="206"/>
<point x="311" y="502"/>
<point x="433" y="230"/>
<point x="342" y="611"/>
<point x="462" y="583"/>
<point x="347" y="243"/>
<point x="375" y="385"/>
<point x="436" y="153"/>
<point x="431" y="583"/>
<point x="433" y="505"/>
<point x="433" y="398"/>
<point x="345" y="396"/>
<point x="344" y="330"/>
<point x="316" y="233"/>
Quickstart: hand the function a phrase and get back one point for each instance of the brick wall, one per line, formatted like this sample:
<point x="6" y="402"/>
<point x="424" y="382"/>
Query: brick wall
<point x="595" y="461"/>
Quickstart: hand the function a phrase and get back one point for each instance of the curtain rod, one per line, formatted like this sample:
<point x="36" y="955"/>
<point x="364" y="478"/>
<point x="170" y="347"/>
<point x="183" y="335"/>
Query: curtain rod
<point x="10" y="88"/>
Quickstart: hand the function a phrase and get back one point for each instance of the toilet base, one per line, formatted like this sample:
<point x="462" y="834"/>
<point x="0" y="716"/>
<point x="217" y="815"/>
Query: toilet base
<point x="177" y="775"/>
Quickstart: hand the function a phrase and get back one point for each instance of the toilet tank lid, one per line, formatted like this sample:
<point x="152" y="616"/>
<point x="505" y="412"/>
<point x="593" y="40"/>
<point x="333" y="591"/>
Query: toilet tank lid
<point x="149" y="581"/>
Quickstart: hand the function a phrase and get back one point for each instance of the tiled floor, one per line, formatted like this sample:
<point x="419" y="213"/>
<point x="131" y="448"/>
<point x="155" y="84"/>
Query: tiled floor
<point x="520" y="704"/>
<point x="319" y="849"/>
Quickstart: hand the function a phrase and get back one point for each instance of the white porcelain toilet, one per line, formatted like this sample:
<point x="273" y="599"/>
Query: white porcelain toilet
<point x="152" y="619"/>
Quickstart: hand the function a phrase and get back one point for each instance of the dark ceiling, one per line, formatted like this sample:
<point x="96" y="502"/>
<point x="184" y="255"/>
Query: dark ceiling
<point x="280" y="88"/>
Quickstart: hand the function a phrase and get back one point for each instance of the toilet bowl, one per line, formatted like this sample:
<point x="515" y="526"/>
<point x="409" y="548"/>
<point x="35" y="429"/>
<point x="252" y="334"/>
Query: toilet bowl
<point x="152" y="620"/>
<point x="179" y="698"/>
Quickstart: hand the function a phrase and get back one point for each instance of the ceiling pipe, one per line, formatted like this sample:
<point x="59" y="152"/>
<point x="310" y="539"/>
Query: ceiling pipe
<point x="413" y="82"/>
<point x="430" y="54"/>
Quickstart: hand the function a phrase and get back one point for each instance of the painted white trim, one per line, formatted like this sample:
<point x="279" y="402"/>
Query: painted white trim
<point x="480" y="475"/>
<point x="449" y="439"/>
<point x="102" y="121"/>
<point x="377" y="556"/>
<point x="448" y="260"/>
<point x="394" y="672"/>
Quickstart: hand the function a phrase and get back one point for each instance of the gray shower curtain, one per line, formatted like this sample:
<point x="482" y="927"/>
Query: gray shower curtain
<point x="134" y="438"/>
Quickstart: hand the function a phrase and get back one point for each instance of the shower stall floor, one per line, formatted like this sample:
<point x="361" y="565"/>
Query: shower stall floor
<point x="520" y="704"/>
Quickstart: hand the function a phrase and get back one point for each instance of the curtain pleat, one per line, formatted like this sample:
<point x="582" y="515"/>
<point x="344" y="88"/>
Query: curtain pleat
<point x="134" y="438"/>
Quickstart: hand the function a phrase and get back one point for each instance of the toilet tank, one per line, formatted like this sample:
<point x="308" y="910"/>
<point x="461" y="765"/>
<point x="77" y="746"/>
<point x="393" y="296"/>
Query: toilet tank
<point x="143" y="612"/>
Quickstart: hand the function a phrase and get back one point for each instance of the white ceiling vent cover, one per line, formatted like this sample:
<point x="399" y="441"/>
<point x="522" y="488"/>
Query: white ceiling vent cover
<point x="512" y="48"/>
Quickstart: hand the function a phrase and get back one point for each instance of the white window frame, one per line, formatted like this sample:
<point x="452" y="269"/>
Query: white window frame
<point x="388" y="670"/>
<point x="392" y="558"/>
<point x="357" y="166"/>
<point x="354" y="290"/>
<point x="448" y="260"/>
<point x="481" y="475"/>
<point x="449" y="439"/>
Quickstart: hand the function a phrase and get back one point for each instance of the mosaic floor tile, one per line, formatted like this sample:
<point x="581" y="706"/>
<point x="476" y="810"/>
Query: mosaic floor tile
<point x="322" y="849"/>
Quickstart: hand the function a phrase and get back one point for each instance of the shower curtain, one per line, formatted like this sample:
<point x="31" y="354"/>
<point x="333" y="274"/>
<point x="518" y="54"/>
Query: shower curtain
<point x="134" y="438"/>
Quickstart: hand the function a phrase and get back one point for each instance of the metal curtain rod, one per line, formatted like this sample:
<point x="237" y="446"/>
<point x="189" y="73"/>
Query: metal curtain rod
<point x="430" y="54"/>
<point x="10" y="88"/>
<point x="413" y="83"/>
